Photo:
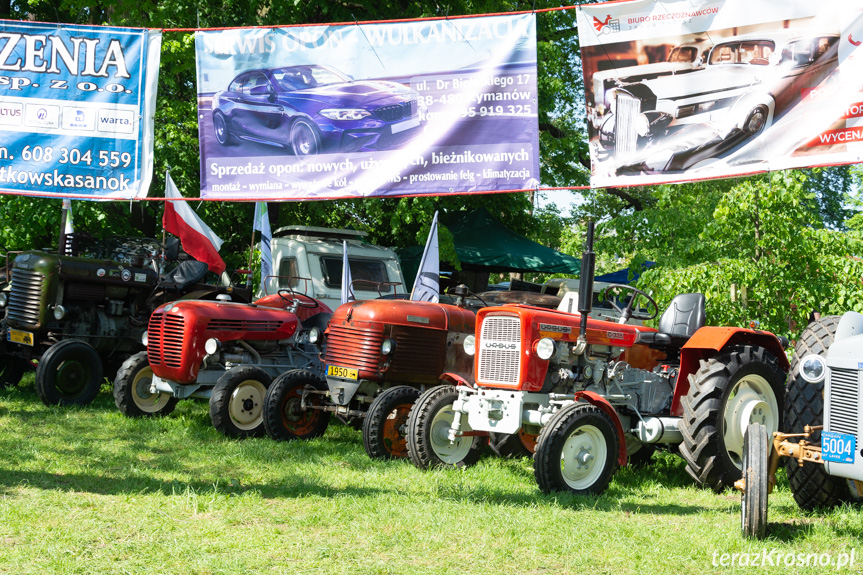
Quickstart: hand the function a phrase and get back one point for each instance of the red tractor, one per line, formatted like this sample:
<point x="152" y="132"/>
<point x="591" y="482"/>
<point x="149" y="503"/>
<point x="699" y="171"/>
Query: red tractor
<point x="223" y="351"/>
<point x="598" y="393"/>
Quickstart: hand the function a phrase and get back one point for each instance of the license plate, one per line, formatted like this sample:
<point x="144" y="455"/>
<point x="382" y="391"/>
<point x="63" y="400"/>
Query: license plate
<point x="22" y="337"/>
<point x="838" y="447"/>
<point x="342" y="372"/>
<point x="406" y="125"/>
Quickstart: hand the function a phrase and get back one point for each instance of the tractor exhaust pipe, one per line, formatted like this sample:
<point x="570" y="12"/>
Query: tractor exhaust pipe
<point x="585" y="285"/>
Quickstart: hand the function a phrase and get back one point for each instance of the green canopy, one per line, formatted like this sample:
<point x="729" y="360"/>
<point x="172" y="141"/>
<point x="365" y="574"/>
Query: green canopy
<point x="484" y="244"/>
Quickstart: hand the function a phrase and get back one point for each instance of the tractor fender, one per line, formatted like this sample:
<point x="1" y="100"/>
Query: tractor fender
<point x="453" y="379"/>
<point x="598" y="401"/>
<point x="710" y="340"/>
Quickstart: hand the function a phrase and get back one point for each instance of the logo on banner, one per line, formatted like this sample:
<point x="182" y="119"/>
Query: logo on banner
<point x="11" y="114"/>
<point x="606" y="27"/>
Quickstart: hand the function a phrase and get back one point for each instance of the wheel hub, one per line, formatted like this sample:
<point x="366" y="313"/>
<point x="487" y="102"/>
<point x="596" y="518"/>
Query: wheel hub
<point x="751" y="401"/>
<point x="72" y="377"/>
<point x="583" y="457"/>
<point x="245" y="405"/>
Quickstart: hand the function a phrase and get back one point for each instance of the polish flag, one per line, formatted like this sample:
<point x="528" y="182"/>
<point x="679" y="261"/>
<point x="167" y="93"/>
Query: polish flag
<point x="198" y="240"/>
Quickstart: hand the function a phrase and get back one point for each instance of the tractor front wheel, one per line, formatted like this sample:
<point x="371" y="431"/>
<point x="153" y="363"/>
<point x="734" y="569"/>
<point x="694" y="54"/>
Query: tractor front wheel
<point x="577" y="451"/>
<point x="726" y="394"/>
<point x="237" y="403"/>
<point x="429" y="423"/>
<point x="132" y="390"/>
<point x="385" y="425"/>
<point x="11" y="370"/>
<point x="284" y="415"/>
<point x="69" y="373"/>
<point x="753" y="500"/>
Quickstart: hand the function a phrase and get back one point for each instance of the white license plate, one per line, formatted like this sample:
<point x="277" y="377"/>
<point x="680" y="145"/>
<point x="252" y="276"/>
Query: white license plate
<point x="406" y="125"/>
<point x="838" y="447"/>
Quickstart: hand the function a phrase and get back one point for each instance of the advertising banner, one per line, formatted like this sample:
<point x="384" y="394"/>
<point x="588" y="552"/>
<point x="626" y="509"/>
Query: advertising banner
<point x="383" y="109"/>
<point x="678" y="90"/>
<point x="76" y="109"/>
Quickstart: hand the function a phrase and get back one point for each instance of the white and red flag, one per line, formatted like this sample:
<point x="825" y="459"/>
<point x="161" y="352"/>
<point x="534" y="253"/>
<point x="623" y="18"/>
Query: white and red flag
<point x="196" y="237"/>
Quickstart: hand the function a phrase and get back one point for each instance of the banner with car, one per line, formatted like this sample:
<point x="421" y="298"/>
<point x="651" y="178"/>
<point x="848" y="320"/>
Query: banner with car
<point x="76" y="109"/>
<point x="678" y="90"/>
<point x="383" y="109"/>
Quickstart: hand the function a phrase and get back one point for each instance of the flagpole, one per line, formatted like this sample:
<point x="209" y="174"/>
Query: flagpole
<point x="252" y="252"/>
<point x="61" y="249"/>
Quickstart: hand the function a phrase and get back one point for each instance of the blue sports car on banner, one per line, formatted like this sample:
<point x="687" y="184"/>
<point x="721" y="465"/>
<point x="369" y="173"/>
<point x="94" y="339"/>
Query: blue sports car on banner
<point x="316" y="109"/>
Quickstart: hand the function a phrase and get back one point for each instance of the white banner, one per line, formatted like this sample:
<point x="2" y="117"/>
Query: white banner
<point x="678" y="90"/>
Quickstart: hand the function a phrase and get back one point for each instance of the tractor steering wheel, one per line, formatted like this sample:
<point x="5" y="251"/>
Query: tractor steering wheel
<point x="626" y="312"/>
<point x="291" y="298"/>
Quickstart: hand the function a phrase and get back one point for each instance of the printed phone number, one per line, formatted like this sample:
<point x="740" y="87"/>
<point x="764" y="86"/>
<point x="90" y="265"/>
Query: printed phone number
<point x="72" y="156"/>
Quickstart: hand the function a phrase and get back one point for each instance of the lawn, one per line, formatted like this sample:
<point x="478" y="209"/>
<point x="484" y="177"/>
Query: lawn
<point x="87" y="490"/>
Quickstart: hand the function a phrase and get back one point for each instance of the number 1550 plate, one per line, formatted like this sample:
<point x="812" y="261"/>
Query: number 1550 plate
<point x="342" y="372"/>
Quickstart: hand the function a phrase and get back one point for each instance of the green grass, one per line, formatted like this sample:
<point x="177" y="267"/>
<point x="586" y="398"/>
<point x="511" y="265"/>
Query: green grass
<point x="87" y="490"/>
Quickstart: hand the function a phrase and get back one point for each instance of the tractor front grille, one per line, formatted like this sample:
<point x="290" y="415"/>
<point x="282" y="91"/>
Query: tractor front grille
<point x="419" y="351"/>
<point x="24" y="297"/>
<point x="165" y="340"/>
<point x="499" y="351"/>
<point x="354" y="347"/>
<point x="625" y="134"/>
<point x="843" y="398"/>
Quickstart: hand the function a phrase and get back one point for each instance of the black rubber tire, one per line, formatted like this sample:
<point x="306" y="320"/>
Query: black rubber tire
<point x="428" y="423"/>
<point x="283" y="418"/>
<point x="708" y="459"/>
<point x="303" y="137"/>
<point x="385" y="424"/>
<point x="810" y="484"/>
<point x="11" y="370"/>
<point x="510" y="446"/>
<point x="753" y="501"/>
<point x="641" y="458"/>
<point x="222" y="130"/>
<point x="549" y="461"/>
<point x="69" y="373"/>
<point x="131" y="390"/>
<point x="237" y="402"/>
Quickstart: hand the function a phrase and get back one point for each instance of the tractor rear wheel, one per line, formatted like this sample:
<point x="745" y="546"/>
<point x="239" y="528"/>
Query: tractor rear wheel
<point x="69" y="373"/>
<point x="132" y="390"/>
<point x="728" y="392"/>
<point x="385" y="425"/>
<point x="284" y="416"/>
<point x="577" y="451"/>
<point x="428" y="429"/>
<point x="11" y="370"/>
<point x="516" y="445"/>
<point x="810" y="484"/>
<point x="237" y="403"/>
<point x="753" y="500"/>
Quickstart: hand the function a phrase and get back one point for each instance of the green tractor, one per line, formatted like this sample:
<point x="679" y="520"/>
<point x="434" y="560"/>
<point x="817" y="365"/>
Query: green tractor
<point x="81" y="313"/>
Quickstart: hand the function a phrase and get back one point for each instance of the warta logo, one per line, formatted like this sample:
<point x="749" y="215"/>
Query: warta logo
<point x="606" y="27"/>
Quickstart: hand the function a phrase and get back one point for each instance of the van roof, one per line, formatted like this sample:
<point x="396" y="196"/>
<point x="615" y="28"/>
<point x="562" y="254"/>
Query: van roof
<point x="299" y="232"/>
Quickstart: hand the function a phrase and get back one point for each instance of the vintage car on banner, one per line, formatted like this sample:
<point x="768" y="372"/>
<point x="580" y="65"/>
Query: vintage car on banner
<point x="676" y="123"/>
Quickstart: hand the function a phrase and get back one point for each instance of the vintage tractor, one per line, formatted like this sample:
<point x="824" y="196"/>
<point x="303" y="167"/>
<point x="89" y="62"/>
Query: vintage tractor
<point x="82" y="313"/>
<point x="597" y="393"/>
<point x="823" y="422"/>
<point x="379" y="355"/>
<point x="225" y="352"/>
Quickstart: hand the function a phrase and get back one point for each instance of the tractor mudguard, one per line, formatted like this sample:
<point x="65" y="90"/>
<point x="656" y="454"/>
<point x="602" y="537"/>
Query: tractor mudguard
<point x="454" y="379"/>
<point x="710" y="340"/>
<point x="598" y="401"/>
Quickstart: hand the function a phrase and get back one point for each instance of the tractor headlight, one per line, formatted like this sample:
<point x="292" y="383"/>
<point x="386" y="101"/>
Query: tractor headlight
<point x="315" y="335"/>
<point x="470" y="344"/>
<point x="545" y="348"/>
<point x="59" y="312"/>
<point x="813" y="368"/>
<point x="144" y="338"/>
<point x="388" y="346"/>
<point x="3" y="299"/>
<point x="212" y="345"/>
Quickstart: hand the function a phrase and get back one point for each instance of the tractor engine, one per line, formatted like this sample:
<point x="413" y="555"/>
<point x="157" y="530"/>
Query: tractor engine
<point x="59" y="297"/>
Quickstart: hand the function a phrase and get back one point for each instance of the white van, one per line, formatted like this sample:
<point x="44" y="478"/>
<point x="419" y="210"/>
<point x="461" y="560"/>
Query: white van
<point x="308" y="259"/>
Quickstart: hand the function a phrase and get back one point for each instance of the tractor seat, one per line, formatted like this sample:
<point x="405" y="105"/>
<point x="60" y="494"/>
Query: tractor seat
<point x="684" y="316"/>
<point x="187" y="273"/>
